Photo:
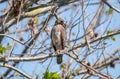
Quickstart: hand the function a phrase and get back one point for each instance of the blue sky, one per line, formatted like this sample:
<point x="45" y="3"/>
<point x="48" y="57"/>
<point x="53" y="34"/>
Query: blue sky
<point x="29" y="67"/>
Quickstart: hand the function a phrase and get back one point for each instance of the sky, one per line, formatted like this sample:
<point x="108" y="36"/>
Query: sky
<point x="30" y="67"/>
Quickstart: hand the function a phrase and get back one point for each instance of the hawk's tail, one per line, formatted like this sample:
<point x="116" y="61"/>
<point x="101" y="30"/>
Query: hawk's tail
<point x="59" y="59"/>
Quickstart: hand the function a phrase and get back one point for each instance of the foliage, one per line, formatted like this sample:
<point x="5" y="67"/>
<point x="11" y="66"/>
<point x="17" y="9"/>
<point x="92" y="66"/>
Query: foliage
<point x="111" y="37"/>
<point x="16" y="75"/>
<point x="3" y="49"/>
<point x="109" y="12"/>
<point x="62" y="65"/>
<point x="51" y="75"/>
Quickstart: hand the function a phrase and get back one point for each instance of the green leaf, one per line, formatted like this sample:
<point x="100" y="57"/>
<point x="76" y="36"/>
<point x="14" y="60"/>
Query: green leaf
<point x="8" y="47"/>
<point x="109" y="31"/>
<point x="77" y="71"/>
<point x="110" y="11"/>
<point x="62" y="65"/>
<point x="47" y="75"/>
<point x="16" y="75"/>
<point x="51" y="75"/>
<point x="113" y="38"/>
<point x="3" y="49"/>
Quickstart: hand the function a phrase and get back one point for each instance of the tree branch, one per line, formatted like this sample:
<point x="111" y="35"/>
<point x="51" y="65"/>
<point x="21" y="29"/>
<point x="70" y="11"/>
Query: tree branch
<point x="13" y="68"/>
<point x="114" y="8"/>
<point x="96" y="39"/>
<point x="67" y="50"/>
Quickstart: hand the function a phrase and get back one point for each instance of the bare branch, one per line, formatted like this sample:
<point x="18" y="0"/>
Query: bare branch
<point x="114" y="8"/>
<point x="13" y="68"/>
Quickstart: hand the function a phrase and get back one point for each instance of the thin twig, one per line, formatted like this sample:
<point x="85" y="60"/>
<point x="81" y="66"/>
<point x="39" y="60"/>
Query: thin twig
<point x="19" y="71"/>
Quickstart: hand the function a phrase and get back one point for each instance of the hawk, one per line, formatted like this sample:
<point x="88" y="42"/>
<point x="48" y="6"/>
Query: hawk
<point x="58" y="38"/>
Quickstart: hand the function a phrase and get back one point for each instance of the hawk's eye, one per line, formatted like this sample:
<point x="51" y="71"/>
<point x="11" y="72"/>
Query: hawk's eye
<point x="61" y="22"/>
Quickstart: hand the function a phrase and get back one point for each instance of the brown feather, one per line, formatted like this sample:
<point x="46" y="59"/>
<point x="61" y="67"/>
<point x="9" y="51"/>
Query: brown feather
<point x="58" y="38"/>
<point x="63" y="36"/>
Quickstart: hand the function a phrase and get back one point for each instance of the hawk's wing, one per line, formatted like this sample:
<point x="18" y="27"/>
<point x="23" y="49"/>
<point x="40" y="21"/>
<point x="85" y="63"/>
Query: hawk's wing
<point x="63" y="36"/>
<point x="52" y="31"/>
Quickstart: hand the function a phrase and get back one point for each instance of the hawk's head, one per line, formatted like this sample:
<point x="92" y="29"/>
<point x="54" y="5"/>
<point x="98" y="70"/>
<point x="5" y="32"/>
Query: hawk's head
<point x="60" y="21"/>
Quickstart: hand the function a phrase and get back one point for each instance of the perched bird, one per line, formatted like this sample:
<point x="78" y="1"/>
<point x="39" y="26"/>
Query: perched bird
<point x="58" y="38"/>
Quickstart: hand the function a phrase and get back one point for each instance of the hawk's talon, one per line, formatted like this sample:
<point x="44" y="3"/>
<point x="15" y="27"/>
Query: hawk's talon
<point x="58" y="51"/>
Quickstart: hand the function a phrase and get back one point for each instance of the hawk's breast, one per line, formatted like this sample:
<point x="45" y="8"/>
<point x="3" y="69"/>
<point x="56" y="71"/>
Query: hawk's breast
<point x="56" y="36"/>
